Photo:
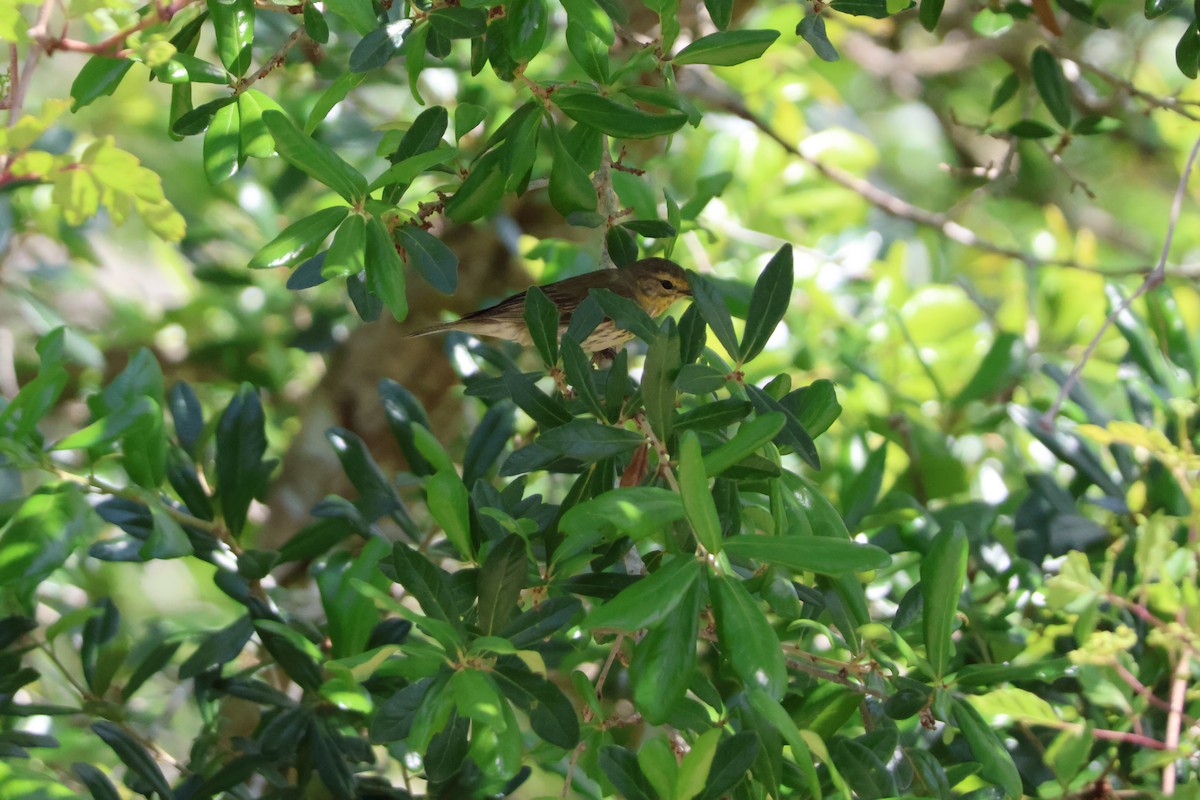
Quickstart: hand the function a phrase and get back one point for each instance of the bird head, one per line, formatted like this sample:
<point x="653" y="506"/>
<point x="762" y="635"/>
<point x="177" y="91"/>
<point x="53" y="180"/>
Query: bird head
<point x="658" y="283"/>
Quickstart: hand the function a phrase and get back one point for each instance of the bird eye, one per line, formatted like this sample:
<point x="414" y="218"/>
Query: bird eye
<point x="667" y="285"/>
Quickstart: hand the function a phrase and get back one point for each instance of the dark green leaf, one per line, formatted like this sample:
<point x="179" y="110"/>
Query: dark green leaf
<point x="1030" y="129"/>
<point x="376" y="495"/>
<point x="458" y="22"/>
<point x="988" y="749"/>
<point x="580" y="374"/>
<point x="197" y="120"/>
<point x="185" y="68"/>
<point x="314" y="24"/>
<point x="542" y="318"/>
<point x="720" y="11"/>
<point x="746" y="638"/>
<point x="620" y="766"/>
<point x="218" y="647"/>
<point x="541" y="621"/>
<point x="385" y="272"/>
<point x="1159" y="8"/>
<point x="480" y="193"/>
<point x="770" y="300"/>
<point x="616" y="119"/>
<point x="658" y="381"/>
<point x="545" y="411"/>
<point x="487" y="441"/>
<point x="943" y="570"/>
<point x="133" y="756"/>
<point x="626" y="314"/>
<point x="434" y="260"/>
<point x="716" y="415"/>
<point x="651" y="600"/>
<point x="526" y="23"/>
<point x="712" y="307"/>
<point x="589" y="441"/>
<point x="621" y="246"/>
<point x="314" y="159"/>
<point x="727" y="48"/>
<point x="865" y="772"/>
<point x="347" y="253"/>
<point x="298" y="240"/>
<point x="1187" y="52"/>
<point x="589" y="52"/>
<point x="1005" y="91"/>
<point x="930" y="12"/>
<point x="815" y="406"/>
<point x="697" y="498"/>
<point x="812" y="30"/>
<point x="650" y="228"/>
<point x="820" y="554"/>
<point x="665" y="659"/>
<point x="233" y="23"/>
<point x="733" y="758"/>
<point x="1052" y="85"/>
<point x="379" y="46"/>
<point x="571" y="189"/>
<point x="96" y="782"/>
<point x="793" y="434"/>
<point x="700" y="379"/>
<point x="99" y="77"/>
<point x="551" y="714"/>
<point x="241" y="443"/>
<point x="500" y="583"/>
<point x="876" y="9"/>
<point x="333" y="94"/>
<point x="425" y="581"/>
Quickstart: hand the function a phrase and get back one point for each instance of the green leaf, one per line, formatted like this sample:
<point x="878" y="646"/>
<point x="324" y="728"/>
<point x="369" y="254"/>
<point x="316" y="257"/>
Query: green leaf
<point x="720" y="11"/>
<point x="434" y="260"/>
<point x="633" y="511"/>
<point x="589" y="441"/>
<point x="700" y="379"/>
<point x="733" y="758"/>
<point x="467" y="117"/>
<point x="658" y="381"/>
<point x="186" y="68"/>
<point x="551" y="714"/>
<point x="541" y="318"/>
<point x="616" y="119"/>
<point x="943" y="570"/>
<point x="626" y="314"/>
<point x="219" y="647"/>
<point x="347" y="252"/>
<point x="379" y="46"/>
<point x="653" y="599"/>
<point x="727" y="48"/>
<point x="578" y="369"/>
<point x="480" y="193"/>
<point x="1187" y="51"/>
<point x="997" y="763"/>
<point x="621" y="246"/>
<point x="256" y="140"/>
<point x="314" y="24"/>
<point x="711" y="304"/>
<point x="620" y="766"/>
<point x="403" y="172"/>
<point x="133" y="756"/>
<point x="458" y="22"/>
<point x="1031" y="129"/>
<point x="233" y="24"/>
<point x="99" y="77"/>
<point x="752" y="435"/>
<point x="876" y="9"/>
<point x="1158" y="8"/>
<point x="793" y="434"/>
<point x="333" y="94"/>
<point x="665" y="659"/>
<point x="376" y="494"/>
<point x="526" y="23"/>
<point x="571" y="189"/>
<point x="930" y="12"/>
<point x="221" y="145"/>
<point x="589" y="52"/>
<point x="241" y="443"/>
<point x="714" y="416"/>
<point x="746" y="638"/>
<point x="1005" y="91"/>
<point x="198" y="119"/>
<point x="500" y="583"/>
<point x="545" y="411"/>
<point x="818" y="554"/>
<point x="999" y="370"/>
<point x="697" y="497"/>
<point x="1052" y="85"/>
<point x="42" y="534"/>
<point x="137" y="414"/>
<point x="449" y="504"/>
<point x="300" y="239"/>
<point x="650" y="228"/>
<point x="815" y="406"/>
<point x="96" y="782"/>
<point x="812" y="30"/>
<point x="425" y="581"/>
<point x="770" y="300"/>
<point x="385" y="272"/>
<point x="315" y="159"/>
<point x="359" y="13"/>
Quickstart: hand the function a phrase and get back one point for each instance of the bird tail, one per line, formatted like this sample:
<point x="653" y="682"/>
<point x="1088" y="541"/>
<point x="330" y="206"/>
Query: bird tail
<point x="442" y="328"/>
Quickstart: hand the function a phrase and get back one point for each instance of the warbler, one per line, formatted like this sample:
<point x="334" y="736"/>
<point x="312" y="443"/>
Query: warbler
<point x="654" y="283"/>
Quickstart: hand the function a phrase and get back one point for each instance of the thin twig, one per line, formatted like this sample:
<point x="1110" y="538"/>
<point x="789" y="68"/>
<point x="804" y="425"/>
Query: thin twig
<point x="273" y="62"/>
<point x="1155" y="277"/>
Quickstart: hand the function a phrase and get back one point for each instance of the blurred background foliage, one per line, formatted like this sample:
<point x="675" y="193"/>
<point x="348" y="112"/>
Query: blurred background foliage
<point x="956" y="252"/>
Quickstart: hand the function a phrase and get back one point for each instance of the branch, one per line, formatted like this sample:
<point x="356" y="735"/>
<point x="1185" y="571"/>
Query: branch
<point x="113" y="45"/>
<point x="1152" y="280"/>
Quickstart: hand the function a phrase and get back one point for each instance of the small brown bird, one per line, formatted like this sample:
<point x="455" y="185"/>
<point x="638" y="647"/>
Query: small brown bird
<point x="654" y="283"/>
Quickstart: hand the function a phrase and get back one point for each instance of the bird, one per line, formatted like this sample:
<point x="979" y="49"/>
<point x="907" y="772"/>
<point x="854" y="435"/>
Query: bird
<point x="654" y="283"/>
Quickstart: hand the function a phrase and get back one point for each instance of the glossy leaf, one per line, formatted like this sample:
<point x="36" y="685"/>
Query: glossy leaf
<point x="697" y="498"/>
<point x="658" y="381"/>
<point x="458" y="22"/>
<point x="133" y="755"/>
<point x="99" y="77"/>
<point x="526" y="23"/>
<point x="186" y="68"/>
<point x="589" y="441"/>
<point x="347" y="252"/>
<point x="815" y="406"/>
<point x="746" y="638"/>
<point x="241" y="444"/>
<point x="720" y="11"/>
<point x="449" y="504"/>
<point x="616" y="119"/>
<point x="500" y="583"/>
<point x="314" y="159"/>
<point x="546" y="411"/>
<point x="298" y="240"/>
<point x="589" y="52"/>
<point x="727" y="48"/>
<point x="571" y="189"/>
<point x="314" y="24"/>
<point x="385" y="272"/>
<point x="648" y="602"/>
<point x="812" y="30"/>
<point x="1052" y="85"/>
<point x="752" y="435"/>
<point x="793" y="434"/>
<point x="233" y="23"/>
<point x="664" y="660"/>
<point x="379" y="46"/>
